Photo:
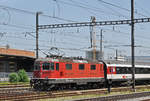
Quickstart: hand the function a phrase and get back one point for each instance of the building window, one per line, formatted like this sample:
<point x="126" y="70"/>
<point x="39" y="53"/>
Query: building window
<point x="68" y="66"/>
<point x="81" y="66"/>
<point x="93" y="67"/>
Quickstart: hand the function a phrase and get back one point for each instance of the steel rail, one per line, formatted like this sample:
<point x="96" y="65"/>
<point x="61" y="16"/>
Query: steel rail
<point x="118" y="97"/>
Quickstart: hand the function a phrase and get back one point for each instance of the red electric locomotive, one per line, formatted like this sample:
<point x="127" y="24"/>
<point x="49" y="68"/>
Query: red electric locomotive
<point x="56" y="73"/>
<point x="59" y="73"/>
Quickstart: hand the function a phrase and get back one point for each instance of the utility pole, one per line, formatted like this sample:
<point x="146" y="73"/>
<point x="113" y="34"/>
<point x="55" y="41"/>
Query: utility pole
<point x="37" y="34"/>
<point x="101" y="39"/>
<point x="132" y="45"/>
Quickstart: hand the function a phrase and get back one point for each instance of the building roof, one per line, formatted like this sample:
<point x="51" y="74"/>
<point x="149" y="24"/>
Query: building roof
<point x="16" y="52"/>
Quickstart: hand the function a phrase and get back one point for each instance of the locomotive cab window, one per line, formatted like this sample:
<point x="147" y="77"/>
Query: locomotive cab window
<point x="68" y="66"/>
<point x="46" y="66"/>
<point x="81" y="66"/>
<point x="57" y="66"/>
<point x="93" y="67"/>
<point x="37" y="66"/>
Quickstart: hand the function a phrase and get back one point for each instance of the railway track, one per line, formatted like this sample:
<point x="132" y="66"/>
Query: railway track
<point x="13" y="85"/>
<point x="29" y="94"/>
<point x="119" y="97"/>
<point x="13" y="88"/>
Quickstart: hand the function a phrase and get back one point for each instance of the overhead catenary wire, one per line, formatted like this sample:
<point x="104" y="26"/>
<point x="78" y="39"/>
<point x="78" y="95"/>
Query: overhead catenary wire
<point x="29" y="33"/>
<point x="9" y="15"/>
<point x="85" y="4"/>
<point x="48" y="47"/>
<point x="125" y="9"/>
<point x="17" y="26"/>
<point x="34" y="13"/>
<point x="144" y="10"/>
<point x="85" y="7"/>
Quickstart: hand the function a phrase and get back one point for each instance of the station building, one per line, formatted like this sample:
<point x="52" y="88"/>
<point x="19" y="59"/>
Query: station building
<point x="11" y="60"/>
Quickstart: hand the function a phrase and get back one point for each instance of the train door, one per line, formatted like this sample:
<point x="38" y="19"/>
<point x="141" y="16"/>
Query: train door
<point x="62" y="69"/>
<point x="57" y="70"/>
<point x="112" y="71"/>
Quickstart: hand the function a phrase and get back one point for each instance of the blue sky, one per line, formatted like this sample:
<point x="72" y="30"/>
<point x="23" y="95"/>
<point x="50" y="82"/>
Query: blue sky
<point x="19" y="27"/>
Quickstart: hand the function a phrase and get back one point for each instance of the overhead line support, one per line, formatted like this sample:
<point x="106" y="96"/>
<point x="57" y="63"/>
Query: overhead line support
<point x="37" y="34"/>
<point x="132" y="45"/>
<point x="99" y="23"/>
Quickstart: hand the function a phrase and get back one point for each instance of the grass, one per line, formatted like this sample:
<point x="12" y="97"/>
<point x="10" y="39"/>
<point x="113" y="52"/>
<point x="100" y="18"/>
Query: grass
<point x="9" y="83"/>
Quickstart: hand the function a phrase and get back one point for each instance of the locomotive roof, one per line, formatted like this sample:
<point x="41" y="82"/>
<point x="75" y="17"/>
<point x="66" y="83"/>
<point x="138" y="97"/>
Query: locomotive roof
<point x="127" y="65"/>
<point x="67" y="60"/>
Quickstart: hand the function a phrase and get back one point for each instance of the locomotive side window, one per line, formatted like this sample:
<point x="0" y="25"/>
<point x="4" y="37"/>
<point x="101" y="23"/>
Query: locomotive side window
<point x="57" y="66"/>
<point x="93" y="67"/>
<point x="52" y="66"/>
<point x="81" y="66"/>
<point x="45" y="66"/>
<point x="68" y="66"/>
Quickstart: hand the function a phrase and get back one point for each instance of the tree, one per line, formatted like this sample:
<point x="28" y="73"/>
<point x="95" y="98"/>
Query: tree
<point x="23" y="77"/>
<point x="13" y="77"/>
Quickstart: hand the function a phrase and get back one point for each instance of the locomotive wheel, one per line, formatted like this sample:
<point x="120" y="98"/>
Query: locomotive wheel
<point x="95" y="86"/>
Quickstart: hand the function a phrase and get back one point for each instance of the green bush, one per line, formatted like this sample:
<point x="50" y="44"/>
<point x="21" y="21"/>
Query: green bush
<point x="13" y="77"/>
<point x="23" y="77"/>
